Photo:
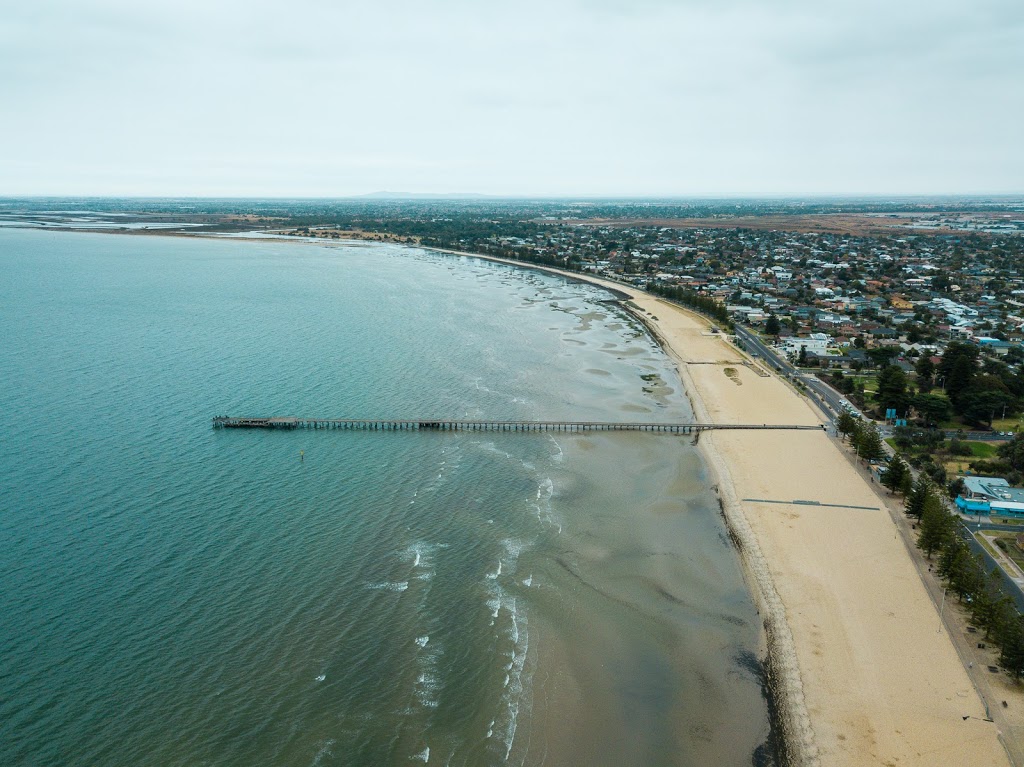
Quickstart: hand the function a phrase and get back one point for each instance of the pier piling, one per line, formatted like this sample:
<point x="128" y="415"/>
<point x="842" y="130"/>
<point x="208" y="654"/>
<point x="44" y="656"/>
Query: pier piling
<point x="423" y="424"/>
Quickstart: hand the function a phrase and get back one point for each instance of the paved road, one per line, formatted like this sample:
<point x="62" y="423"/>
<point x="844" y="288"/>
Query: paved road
<point x="834" y="399"/>
<point x="1010" y="586"/>
<point x="828" y="399"/>
<point x="982" y="436"/>
<point x="971" y="521"/>
<point x="753" y="344"/>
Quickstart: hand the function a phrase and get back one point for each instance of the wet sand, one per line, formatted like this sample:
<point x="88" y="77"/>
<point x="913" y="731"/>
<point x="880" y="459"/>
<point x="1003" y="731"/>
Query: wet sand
<point x="862" y="670"/>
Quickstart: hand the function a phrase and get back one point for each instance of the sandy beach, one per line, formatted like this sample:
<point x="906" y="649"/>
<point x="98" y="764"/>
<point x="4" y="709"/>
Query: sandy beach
<point x="862" y="668"/>
<point x="866" y="675"/>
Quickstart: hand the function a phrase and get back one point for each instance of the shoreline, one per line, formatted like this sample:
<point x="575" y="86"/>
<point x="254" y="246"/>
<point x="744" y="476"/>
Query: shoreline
<point x="855" y="667"/>
<point x="795" y="738"/>
<point x="856" y="672"/>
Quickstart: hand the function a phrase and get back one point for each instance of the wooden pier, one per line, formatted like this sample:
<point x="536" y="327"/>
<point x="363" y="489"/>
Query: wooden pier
<point x="452" y="424"/>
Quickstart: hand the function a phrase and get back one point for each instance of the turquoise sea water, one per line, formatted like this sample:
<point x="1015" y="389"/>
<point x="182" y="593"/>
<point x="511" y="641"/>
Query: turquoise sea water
<point x="179" y="595"/>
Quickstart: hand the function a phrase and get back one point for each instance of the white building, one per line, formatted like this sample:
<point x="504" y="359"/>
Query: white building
<point x="816" y="342"/>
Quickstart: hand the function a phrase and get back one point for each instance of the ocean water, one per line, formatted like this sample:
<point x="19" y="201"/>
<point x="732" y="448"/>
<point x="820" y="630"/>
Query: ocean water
<point x="179" y="595"/>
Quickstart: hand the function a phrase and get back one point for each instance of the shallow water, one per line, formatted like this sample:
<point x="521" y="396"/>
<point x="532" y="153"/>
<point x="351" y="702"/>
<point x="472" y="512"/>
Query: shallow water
<point x="179" y="595"/>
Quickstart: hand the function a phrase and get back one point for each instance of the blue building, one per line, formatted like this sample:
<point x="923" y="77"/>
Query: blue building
<point x="991" y="495"/>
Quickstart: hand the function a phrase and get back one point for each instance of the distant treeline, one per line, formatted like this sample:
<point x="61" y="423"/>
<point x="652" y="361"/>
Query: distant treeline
<point x="326" y="211"/>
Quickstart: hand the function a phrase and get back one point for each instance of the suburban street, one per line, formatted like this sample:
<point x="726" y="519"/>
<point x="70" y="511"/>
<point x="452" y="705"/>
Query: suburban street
<point x="824" y="395"/>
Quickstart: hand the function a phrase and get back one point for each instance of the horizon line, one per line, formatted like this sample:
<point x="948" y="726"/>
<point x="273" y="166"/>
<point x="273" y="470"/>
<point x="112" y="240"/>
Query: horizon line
<point x="473" y="196"/>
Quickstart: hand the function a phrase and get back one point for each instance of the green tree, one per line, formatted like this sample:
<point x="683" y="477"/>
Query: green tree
<point x="960" y="378"/>
<point x="869" y="443"/>
<point x="771" y="327"/>
<point x="958" y="367"/>
<point x="892" y="390"/>
<point x="882" y="355"/>
<point x="1013" y="452"/>
<point x="895" y="474"/>
<point x="936" y="526"/>
<point x="846" y="424"/>
<point x="903" y="436"/>
<point x="907" y="484"/>
<point x="1011" y="644"/>
<point x="932" y="407"/>
<point x="983" y="407"/>
<point x="915" y="499"/>
<point x="959" y="447"/>
<point x="1003" y="611"/>
<point x="957" y="566"/>
<point x="925" y="370"/>
<point x="956" y="488"/>
<point x="985" y="598"/>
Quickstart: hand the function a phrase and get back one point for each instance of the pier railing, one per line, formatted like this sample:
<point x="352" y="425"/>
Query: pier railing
<point x="453" y="424"/>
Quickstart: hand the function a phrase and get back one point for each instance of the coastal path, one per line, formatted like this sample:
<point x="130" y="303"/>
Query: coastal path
<point x="449" y="424"/>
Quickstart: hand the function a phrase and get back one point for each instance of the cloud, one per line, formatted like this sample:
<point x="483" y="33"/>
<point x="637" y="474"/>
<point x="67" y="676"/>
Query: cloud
<point x="575" y="97"/>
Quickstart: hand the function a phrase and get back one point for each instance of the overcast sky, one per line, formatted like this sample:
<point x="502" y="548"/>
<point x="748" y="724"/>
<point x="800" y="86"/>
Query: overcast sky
<point x="592" y="97"/>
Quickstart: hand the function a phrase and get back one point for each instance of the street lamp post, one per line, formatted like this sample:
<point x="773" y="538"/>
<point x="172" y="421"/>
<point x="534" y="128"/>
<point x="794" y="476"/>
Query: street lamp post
<point x="942" y="609"/>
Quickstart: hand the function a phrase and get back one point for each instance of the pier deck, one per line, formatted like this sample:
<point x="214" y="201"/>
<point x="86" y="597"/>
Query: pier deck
<point x="454" y="424"/>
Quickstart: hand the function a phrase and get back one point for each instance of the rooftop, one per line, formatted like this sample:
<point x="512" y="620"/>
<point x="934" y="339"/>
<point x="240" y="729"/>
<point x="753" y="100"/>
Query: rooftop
<point x="994" y="488"/>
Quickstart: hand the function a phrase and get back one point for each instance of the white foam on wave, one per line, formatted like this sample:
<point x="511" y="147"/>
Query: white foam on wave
<point x="560" y="455"/>
<point x="494" y="576"/>
<point x="427" y="683"/>
<point x="542" y="504"/>
<point x="515" y="692"/>
<point x="528" y="580"/>
<point x="420" y="556"/>
<point x="494" y="605"/>
<point x="513" y="548"/>
<point x="422" y="756"/>
<point x="325" y="750"/>
<point x="490" y="447"/>
<point x="514" y="635"/>
<point x="426" y="689"/>
<point x="389" y="586"/>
